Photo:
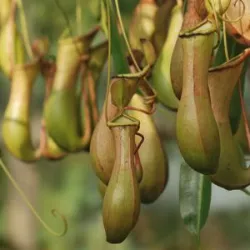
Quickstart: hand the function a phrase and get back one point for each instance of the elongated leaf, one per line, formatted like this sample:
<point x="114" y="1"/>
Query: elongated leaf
<point x="117" y="45"/>
<point x="195" y="197"/>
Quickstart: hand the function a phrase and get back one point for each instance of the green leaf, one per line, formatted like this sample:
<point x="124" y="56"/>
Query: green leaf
<point x="195" y="197"/>
<point x="117" y="45"/>
<point x="233" y="49"/>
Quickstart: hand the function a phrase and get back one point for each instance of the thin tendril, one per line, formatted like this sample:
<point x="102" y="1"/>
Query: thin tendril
<point x="53" y="211"/>
<point x="227" y="20"/>
<point x="217" y="25"/>
<point x="216" y="17"/>
<point x="25" y="29"/>
<point x="109" y="60"/>
<point x="125" y="36"/>
<point x="238" y="18"/>
<point x="140" y="143"/>
<point x="78" y="16"/>
<point x="225" y="41"/>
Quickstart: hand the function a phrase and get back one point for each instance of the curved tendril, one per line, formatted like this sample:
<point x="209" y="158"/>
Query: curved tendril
<point x="244" y="113"/>
<point x="225" y="41"/>
<point x="216" y="19"/>
<point x="238" y="18"/>
<point x="53" y="211"/>
<point x="109" y="60"/>
<point x="218" y="40"/>
<point x="125" y="36"/>
<point x="216" y="24"/>
<point x="24" y="28"/>
<point x="140" y="143"/>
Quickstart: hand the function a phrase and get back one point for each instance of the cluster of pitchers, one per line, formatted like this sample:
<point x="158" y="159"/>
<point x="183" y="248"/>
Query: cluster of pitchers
<point x="177" y="58"/>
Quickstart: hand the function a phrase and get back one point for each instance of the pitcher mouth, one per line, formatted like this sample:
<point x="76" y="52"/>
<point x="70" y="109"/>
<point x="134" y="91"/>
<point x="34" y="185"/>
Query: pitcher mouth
<point x="233" y="62"/>
<point x="79" y="38"/>
<point x="34" y="63"/>
<point x="206" y="27"/>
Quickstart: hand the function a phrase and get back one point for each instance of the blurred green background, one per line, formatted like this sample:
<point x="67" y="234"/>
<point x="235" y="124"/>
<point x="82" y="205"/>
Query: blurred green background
<point x="71" y="186"/>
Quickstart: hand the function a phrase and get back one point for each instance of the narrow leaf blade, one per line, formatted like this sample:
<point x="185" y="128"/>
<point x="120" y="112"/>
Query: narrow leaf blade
<point x="195" y="198"/>
<point x="118" y="48"/>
